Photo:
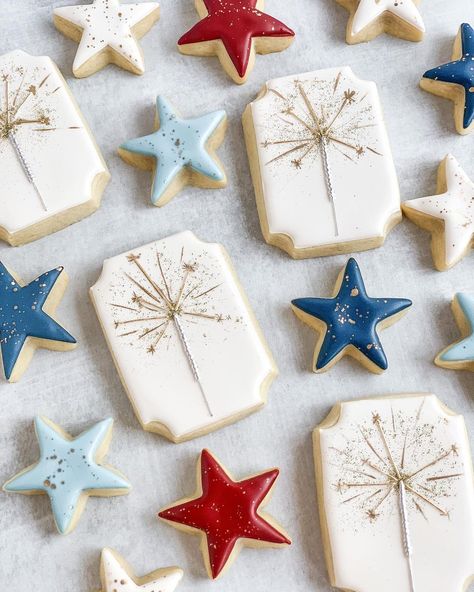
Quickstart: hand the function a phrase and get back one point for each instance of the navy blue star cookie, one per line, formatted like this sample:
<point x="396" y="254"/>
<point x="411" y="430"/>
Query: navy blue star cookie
<point x="26" y="321"/>
<point x="348" y="322"/>
<point x="455" y="80"/>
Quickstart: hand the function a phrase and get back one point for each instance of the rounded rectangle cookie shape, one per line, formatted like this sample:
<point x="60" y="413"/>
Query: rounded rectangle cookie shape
<point x="321" y="163"/>
<point x="396" y="497"/>
<point x="51" y="169"/>
<point x="184" y="339"/>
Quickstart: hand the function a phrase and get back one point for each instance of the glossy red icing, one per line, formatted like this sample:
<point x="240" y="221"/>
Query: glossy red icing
<point x="235" y="22"/>
<point x="227" y="511"/>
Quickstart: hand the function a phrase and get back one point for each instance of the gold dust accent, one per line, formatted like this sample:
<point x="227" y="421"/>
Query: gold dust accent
<point x="22" y="92"/>
<point x="335" y="120"/>
<point x="387" y="477"/>
<point x="176" y="297"/>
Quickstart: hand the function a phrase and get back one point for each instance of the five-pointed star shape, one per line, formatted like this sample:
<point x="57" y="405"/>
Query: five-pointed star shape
<point x="107" y="32"/>
<point x="24" y="322"/>
<point x="348" y="322"/>
<point x="460" y="73"/>
<point x="179" y="145"/>
<point x="239" y="25"/>
<point x="460" y="355"/>
<point x="227" y="514"/>
<point x="69" y="470"/>
<point x="116" y="576"/>
<point x="371" y="13"/>
<point x="452" y="209"/>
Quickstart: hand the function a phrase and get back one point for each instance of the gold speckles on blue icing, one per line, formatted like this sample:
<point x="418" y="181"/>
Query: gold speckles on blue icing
<point x="22" y="315"/>
<point x="176" y="144"/>
<point x="351" y="318"/>
<point x="460" y="72"/>
<point x="68" y="469"/>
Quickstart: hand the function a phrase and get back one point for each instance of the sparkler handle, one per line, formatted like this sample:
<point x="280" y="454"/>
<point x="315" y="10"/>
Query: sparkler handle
<point x="192" y="362"/>
<point x="328" y="177"/>
<point x="26" y="166"/>
<point x="406" y="531"/>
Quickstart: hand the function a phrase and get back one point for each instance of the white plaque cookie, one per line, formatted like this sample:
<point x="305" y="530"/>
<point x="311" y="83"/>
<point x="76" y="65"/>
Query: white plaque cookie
<point x="396" y="495"/>
<point x="184" y="339"/>
<point x="321" y="164"/>
<point x="51" y="169"/>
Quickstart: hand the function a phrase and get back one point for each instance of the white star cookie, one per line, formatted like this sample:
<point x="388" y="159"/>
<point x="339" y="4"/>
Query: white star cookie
<point x="449" y="215"/>
<point x="370" y="18"/>
<point x="116" y="575"/>
<point x="107" y="33"/>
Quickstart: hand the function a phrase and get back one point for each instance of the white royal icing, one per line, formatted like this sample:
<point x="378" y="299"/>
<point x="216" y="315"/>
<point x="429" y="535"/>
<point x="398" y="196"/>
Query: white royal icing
<point x="299" y="171"/>
<point x="108" y="23"/>
<point x="370" y="10"/>
<point x="115" y="578"/>
<point x="210" y="364"/>
<point x="455" y="208"/>
<point x="416" y="537"/>
<point x="48" y="160"/>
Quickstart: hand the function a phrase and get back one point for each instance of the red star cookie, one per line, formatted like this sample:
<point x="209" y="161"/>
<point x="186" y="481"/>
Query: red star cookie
<point x="235" y="30"/>
<point x="226" y="514"/>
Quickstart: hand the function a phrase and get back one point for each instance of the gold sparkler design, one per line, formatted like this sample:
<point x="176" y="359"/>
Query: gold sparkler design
<point x="156" y="311"/>
<point x="380" y="476"/>
<point x="24" y="94"/>
<point x="319" y="117"/>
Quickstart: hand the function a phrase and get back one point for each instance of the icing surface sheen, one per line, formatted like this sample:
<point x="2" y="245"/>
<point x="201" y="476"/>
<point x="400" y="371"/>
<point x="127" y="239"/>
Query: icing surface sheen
<point x="463" y="351"/>
<point x="227" y="511"/>
<point x="66" y="469"/>
<point x="420" y="540"/>
<point x="107" y="23"/>
<point x="369" y="10"/>
<point x="235" y="22"/>
<point x="460" y="72"/>
<point x="351" y="318"/>
<point x="48" y="159"/>
<point x="176" y="144"/>
<point x="22" y="315"/>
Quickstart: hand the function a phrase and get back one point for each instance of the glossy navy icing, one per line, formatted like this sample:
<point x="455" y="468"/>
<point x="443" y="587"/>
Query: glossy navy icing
<point x="176" y="144"/>
<point x="460" y="72"/>
<point x="22" y="315"/>
<point x="66" y="469"/>
<point x="351" y="318"/>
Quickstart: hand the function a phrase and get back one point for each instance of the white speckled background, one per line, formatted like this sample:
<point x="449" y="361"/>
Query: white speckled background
<point x="75" y="389"/>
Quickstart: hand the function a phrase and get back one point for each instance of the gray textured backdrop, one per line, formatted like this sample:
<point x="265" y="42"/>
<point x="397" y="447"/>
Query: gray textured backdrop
<point x="75" y="389"/>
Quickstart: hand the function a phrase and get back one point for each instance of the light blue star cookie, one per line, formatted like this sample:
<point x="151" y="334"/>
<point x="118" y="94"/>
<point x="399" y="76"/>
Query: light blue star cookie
<point x="180" y="152"/>
<point x="460" y="355"/>
<point x="69" y="470"/>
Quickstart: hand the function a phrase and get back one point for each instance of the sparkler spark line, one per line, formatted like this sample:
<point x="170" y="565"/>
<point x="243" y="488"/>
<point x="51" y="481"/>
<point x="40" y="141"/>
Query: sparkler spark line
<point x="171" y="306"/>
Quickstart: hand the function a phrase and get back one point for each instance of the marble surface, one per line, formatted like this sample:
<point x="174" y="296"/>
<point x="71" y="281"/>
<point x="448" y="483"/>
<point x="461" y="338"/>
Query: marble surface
<point x="78" y="388"/>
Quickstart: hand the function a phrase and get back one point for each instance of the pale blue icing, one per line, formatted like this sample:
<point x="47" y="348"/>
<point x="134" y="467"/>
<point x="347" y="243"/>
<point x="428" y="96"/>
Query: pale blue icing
<point x="463" y="350"/>
<point x="66" y="469"/>
<point x="177" y="144"/>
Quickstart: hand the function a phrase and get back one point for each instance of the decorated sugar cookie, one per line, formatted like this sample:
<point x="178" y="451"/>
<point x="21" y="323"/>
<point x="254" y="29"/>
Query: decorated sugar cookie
<point x="27" y="319"/>
<point x="70" y="470"/>
<point x="235" y="31"/>
<point x="116" y="575"/>
<point x="321" y="164"/>
<point x="180" y="152"/>
<point x="370" y="18"/>
<point x="460" y="355"/>
<point x="396" y="497"/>
<point x="455" y="80"/>
<point x="449" y="215"/>
<point x="51" y="169"/>
<point x="183" y="337"/>
<point x="107" y="32"/>
<point x="227" y="514"/>
<point x="347" y="323"/>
